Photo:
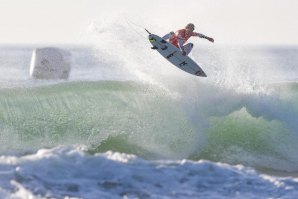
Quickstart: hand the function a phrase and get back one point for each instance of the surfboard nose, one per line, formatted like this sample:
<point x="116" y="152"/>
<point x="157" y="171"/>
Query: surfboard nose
<point x="201" y="73"/>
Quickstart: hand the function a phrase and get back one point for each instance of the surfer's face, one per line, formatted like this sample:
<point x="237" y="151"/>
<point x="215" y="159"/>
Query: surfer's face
<point x="189" y="30"/>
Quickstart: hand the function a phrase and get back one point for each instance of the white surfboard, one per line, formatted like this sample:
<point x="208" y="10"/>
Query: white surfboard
<point x="174" y="55"/>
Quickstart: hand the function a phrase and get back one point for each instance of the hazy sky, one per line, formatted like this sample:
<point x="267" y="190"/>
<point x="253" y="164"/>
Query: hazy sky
<point x="228" y="21"/>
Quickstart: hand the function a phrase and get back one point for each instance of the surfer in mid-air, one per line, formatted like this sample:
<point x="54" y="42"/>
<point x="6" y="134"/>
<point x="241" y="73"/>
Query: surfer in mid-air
<point x="182" y="36"/>
<point x="175" y="51"/>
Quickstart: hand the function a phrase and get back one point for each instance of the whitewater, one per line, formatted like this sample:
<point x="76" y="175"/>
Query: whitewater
<point x="128" y="124"/>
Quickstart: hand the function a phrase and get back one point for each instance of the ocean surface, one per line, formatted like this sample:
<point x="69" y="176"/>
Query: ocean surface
<point x="128" y="124"/>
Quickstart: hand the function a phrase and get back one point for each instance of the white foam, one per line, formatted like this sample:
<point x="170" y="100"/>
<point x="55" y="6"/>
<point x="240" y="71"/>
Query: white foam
<point x="71" y="172"/>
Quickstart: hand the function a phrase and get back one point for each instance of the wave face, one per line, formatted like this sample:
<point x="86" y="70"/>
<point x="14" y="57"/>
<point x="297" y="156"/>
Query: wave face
<point x="251" y="129"/>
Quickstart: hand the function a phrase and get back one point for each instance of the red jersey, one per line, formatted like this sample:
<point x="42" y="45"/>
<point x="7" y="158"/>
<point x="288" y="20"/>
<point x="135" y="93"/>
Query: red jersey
<point x="183" y="35"/>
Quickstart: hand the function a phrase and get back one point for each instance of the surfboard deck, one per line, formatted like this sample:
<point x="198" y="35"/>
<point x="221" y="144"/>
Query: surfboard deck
<point x="175" y="56"/>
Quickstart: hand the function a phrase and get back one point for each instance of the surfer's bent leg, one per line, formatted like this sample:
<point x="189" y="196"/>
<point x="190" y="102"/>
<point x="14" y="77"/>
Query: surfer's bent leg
<point x="188" y="47"/>
<point x="168" y="36"/>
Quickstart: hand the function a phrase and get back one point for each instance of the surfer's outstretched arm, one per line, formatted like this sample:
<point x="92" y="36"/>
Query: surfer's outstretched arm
<point x="204" y="37"/>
